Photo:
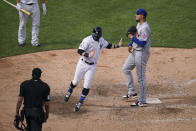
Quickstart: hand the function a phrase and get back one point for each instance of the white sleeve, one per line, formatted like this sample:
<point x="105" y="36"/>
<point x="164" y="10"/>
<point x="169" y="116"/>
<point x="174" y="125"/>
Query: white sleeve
<point x="104" y="43"/>
<point x="84" y="44"/>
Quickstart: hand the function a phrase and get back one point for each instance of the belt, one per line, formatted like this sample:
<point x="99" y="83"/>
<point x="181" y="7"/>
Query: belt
<point x="138" y="49"/>
<point x="89" y="63"/>
<point x="30" y="4"/>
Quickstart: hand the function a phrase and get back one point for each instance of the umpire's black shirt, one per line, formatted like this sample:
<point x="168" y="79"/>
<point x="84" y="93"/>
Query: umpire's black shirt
<point x="35" y="93"/>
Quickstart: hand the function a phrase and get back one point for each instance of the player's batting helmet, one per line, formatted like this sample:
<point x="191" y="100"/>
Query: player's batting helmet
<point x="97" y="33"/>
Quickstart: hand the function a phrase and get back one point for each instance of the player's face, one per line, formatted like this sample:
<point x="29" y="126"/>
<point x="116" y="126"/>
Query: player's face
<point x="130" y="36"/>
<point x="137" y="17"/>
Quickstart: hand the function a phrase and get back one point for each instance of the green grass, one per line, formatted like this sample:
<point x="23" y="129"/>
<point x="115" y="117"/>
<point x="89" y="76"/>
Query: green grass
<point x="67" y="22"/>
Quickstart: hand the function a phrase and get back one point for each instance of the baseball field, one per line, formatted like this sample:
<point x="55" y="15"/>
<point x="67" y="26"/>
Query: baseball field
<point x="171" y="72"/>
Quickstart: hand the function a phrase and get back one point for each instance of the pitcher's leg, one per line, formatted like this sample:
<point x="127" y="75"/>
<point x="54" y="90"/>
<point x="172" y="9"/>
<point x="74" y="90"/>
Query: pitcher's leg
<point x="127" y="68"/>
<point x="141" y="75"/>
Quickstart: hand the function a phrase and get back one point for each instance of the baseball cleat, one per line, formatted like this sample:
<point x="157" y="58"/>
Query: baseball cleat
<point x="77" y="107"/>
<point x="139" y="104"/>
<point x="130" y="96"/>
<point x="67" y="96"/>
<point x="36" y="45"/>
<point x="21" y="44"/>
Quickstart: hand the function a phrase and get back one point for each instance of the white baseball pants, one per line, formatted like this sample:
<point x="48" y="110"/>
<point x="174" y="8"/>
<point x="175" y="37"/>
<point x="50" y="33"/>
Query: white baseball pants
<point x="35" y="18"/>
<point x="86" y="71"/>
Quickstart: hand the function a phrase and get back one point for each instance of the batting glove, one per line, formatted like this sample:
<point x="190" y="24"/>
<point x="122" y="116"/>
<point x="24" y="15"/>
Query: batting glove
<point x="44" y="8"/>
<point x="18" y="6"/>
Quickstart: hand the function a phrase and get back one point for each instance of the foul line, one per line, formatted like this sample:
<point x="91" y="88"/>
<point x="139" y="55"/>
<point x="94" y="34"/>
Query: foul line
<point x="164" y="120"/>
<point x="189" y="82"/>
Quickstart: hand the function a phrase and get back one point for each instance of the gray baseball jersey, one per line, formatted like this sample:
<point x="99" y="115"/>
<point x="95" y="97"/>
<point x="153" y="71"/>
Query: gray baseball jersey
<point x="143" y="34"/>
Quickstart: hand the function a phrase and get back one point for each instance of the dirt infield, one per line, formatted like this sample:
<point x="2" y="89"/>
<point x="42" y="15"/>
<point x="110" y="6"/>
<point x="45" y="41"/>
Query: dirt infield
<point x="171" y="77"/>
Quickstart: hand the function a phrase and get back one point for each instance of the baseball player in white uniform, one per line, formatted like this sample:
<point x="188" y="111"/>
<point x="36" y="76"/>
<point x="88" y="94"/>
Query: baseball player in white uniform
<point x="140" y="52"/>
<point x="90" y="50"/>
<point x="33" y="7"/>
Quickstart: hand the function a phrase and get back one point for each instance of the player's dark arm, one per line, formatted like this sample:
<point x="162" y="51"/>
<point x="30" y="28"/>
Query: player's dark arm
<point x="18" y="105"/>
<point x="47" y="108"/>
<point x="83" y="53"/>
<point x="139" y="42"/>
<point x="110" y="46"/>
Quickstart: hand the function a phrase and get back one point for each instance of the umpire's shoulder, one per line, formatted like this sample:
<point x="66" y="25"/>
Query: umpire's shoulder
<point x="26" y="82"/>
<point x="46" y="85"/>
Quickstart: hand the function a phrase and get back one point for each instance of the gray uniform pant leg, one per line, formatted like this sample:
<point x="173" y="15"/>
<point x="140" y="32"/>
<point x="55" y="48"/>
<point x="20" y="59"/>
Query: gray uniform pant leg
<point x="127" y="68"/>
<point x="141" y="61"/>
<point x="22" y="25"/>
<point x="35" y="17"/>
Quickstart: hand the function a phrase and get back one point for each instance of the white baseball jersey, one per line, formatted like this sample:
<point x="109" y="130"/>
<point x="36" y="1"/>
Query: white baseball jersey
<point x="88" y="45"/>
<point x="143" y="34"/>
<point x="29" y="1"/>
<point x="83" y="69"/>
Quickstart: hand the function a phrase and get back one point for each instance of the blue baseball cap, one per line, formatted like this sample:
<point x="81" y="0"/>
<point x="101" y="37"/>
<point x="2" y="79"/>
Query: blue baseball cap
<point x="141" y="11"/>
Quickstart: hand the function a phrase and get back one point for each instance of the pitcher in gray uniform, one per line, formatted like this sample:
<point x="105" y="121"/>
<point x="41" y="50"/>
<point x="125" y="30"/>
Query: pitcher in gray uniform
<point x="140" y="52"/>
<point x="89" y="50"/>
<point x="33" y="7"/>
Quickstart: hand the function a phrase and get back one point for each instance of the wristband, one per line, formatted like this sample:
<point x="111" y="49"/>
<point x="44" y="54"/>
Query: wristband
<point x="116" y="46"/>
<point x="86" y="54"/>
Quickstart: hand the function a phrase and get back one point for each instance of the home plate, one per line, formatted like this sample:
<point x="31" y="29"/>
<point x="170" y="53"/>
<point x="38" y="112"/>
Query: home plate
<point x="153" y="101"/>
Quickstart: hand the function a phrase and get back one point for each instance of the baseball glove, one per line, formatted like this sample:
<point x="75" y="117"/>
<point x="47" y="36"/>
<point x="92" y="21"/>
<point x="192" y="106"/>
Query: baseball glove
<point x="132" y="30"/>
<point x="18" y="123"/>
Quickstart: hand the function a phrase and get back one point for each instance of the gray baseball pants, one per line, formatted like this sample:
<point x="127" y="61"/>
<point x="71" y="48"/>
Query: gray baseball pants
<point x="35" y="17"/>
<point x="139" y="60"/>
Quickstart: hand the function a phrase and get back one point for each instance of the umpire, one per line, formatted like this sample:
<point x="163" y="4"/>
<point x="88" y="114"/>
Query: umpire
<point x="35" y="94"/>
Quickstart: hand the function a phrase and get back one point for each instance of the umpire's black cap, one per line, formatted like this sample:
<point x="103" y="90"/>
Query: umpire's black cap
<point x="36" y="72"/>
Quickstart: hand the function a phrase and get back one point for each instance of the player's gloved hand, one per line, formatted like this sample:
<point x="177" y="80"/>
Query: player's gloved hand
<point x="130" y="49"/>
<point x="44" y="8"/>
<point x="18" y="6"/>
<point x="120" y="43"/>
<point x="91" y="54"/>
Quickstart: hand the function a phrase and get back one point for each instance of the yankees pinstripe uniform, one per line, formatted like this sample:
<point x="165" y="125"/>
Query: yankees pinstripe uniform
<point x="138" y="58"/>
<point x="33" y="7"/>
<point x="86" y="66"/>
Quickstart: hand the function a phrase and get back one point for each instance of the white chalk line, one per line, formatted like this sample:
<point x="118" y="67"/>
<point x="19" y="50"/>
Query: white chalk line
<point x="189" y="82"/>
<point x="180" y="88"/>
<point x="180" y="106"/>
<point x="167" y="95"/>
<point x="164" y="120"/>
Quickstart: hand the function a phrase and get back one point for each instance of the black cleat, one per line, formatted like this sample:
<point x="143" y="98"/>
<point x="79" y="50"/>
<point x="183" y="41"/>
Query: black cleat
<point x="130" y="96"/>
<point x="77" y="107"/>
<point x="67" y="96"/>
